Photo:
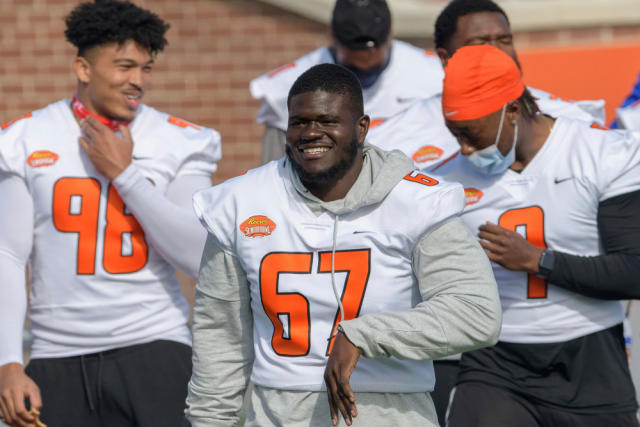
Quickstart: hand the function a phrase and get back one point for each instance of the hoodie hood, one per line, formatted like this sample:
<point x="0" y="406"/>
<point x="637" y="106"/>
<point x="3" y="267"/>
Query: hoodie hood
<point x="381" y="171"/>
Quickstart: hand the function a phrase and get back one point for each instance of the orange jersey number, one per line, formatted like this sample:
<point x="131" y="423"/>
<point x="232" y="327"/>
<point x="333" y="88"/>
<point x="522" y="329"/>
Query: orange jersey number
<point x="421" y="178"/>
<point x="357" y="266"/>
<point x="84" y="221"/>
<point x="295" y="306"/>
<point x="532" y="218"/>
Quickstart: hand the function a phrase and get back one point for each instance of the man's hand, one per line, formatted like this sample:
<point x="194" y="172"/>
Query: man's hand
<point x="509" y="249"/>
<point x="109" y="154"/>
<point x="342" y="361"/>
<point x="15" y="387"/>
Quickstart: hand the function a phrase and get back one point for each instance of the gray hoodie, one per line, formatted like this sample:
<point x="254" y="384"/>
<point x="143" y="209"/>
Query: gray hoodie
<point x="460" y="311"/>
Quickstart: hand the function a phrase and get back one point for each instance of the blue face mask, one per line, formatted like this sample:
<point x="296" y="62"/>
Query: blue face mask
<point x="490" y="160"/>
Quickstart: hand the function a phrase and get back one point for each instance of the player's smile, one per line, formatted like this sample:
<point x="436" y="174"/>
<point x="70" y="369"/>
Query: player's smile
<point x="314" y="151"/>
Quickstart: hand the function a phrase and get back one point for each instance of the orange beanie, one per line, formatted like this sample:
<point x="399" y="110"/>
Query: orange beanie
<point x="478" y="81"/>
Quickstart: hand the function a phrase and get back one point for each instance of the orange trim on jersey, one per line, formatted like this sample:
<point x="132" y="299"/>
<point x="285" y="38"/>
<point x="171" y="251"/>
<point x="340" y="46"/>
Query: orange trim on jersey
<point x="473" y="195"/>
<point x="182" y="123"/>
<point x="42" y="158"/>
<point x="280" y="69"/>
<point x="445" y="161"/>
<point x="10" y="122"/>
<point x="376" y="122"/>
<point x="257" y="226"/>
<point x="428" y="153"/>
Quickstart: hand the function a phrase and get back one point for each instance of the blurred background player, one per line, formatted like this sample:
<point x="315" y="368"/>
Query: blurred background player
<point x="393" y="74"/>
<point x="628" y="115"/>
<point x="99" y="188"/>
<point x="307" y="268"/>
<point x="554" y="203"/>
<point x="419" y="131"/>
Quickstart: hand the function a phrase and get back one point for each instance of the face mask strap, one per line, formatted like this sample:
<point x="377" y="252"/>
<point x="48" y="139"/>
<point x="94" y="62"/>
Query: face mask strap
<point x="504" y="109"/>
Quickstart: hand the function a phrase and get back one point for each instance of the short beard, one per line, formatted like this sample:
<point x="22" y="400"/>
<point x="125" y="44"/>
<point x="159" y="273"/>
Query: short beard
<point x="329" y="177"/>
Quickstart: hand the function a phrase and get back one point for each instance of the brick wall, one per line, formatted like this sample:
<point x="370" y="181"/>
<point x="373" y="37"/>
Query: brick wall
<point x="216" y="48"/>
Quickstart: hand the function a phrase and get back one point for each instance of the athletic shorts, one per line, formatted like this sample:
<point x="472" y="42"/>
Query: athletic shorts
<point x="143" y="385"/>
<point x="586" y="376"/>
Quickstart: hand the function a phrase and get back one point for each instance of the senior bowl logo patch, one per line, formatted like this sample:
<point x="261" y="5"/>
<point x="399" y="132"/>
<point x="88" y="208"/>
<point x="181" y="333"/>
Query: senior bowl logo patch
<point x="473" y="195"/>
<point x="257" y="226"/>
<point x="43" y="158"/>
<point x="428" y="153"/>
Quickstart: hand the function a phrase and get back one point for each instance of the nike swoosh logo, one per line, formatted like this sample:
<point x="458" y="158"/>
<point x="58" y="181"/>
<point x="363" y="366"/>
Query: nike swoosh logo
<point x="361" y="232"/>
<point x="403" y="100"/>
<point x="450" y="114"/>
<point x="558" y="180"/>
<point x="141" y="157"/>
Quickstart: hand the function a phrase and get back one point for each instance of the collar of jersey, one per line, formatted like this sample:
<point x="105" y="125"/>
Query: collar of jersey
<point x="81" y="113"/>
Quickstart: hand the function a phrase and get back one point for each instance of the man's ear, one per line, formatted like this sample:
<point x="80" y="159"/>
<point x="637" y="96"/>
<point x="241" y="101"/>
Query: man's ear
<point x="514" y="110"/>
<point x="443" y="55"/>
<point x="82" y="68"/>
<point x="362" y="127"/>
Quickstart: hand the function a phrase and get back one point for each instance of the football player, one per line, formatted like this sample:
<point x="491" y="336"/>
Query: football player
<point x="554" y="203"/>
<point x="337" y="271"/>
<point x="95" y="193"/>
<point x="393" y="74"/>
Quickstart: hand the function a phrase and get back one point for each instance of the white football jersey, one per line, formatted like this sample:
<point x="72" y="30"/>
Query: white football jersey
<point x="629" y="116"/>
<point x="412" y="74"/>
<point x="286" y="252"/>
<point x="588" y="110"/>
<point x="96" y="282"/>
<point x="553" y="203"/>
<point x="420" y="132"/>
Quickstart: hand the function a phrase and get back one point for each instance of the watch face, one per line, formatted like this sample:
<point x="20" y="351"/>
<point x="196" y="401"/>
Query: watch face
<point x="546" y="262"/>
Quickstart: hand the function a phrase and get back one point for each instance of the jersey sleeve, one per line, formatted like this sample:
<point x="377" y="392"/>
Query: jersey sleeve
<point x="629" y="117"/>
<point x="591" y="111"/>
<point x="215" y="209"/>
<point x="13" y="158"/>
<point x="433" y="202"/>
<point x="203" y="155"/>
<point x="619" y="164"/>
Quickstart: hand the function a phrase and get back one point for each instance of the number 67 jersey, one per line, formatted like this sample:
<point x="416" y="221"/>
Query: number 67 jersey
<point x="553" y="203"/>
<point x="96" y="281"/>
<point x="286" y="251"/>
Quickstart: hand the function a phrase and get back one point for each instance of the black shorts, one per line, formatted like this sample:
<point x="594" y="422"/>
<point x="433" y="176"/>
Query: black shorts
<point x="482" y="405"/>
<point x="585" y="376"/>
<point x="142" y="385"/>
<point x="446" y="372"/>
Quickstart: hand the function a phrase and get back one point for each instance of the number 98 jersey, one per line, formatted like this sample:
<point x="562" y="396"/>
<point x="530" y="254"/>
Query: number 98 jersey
<point x="553" y="203"/>
<point x="286" y="252"/>
<point x="96" y="282"/>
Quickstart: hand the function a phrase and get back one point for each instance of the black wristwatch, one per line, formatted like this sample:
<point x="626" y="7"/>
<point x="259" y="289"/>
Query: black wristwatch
<point x="546" y="263"/>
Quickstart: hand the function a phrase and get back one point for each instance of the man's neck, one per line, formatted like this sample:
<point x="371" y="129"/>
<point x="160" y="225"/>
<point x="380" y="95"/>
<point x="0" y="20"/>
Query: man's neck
<point x="533" y="135"/>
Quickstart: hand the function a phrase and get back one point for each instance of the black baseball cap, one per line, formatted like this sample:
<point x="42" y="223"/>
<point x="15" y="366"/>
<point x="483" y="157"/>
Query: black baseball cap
<point x="361" y="24"/>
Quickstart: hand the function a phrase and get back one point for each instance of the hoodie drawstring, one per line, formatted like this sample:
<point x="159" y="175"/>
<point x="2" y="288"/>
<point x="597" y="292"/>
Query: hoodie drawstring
<point x="333" y="271"/>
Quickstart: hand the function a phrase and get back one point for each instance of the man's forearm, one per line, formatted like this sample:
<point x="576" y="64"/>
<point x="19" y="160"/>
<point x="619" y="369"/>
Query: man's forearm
<point x="613" y="275"/>
<point x="460" y="310"/>
<point x="16" y="239"/>
<point x="222" y="341"/>
<point x="173" y="230"/>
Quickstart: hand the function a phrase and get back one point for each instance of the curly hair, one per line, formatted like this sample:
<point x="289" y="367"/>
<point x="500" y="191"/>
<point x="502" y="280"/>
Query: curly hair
<point x="105" y="21"/>
<point x="447" y="21"/>
<point x="332" y="78"/>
